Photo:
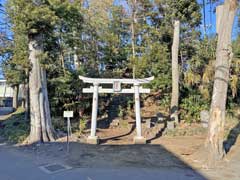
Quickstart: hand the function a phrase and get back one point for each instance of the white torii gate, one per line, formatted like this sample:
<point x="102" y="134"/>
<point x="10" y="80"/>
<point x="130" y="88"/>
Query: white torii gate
<point x="95" y="89"/>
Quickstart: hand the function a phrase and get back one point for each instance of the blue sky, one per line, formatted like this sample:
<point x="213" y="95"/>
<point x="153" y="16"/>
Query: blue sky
<point x="211" y="20"/>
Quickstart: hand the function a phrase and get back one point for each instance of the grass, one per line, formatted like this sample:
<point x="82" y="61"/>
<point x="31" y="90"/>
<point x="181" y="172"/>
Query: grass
<point x="15" y="128"/>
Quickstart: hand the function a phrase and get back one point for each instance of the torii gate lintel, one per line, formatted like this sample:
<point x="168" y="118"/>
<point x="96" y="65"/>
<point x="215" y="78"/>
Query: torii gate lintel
<point x="95" y="89"/>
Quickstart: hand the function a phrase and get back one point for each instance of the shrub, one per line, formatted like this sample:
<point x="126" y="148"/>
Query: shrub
<point x="15" y="127"/>
<point x="191" y="107"/>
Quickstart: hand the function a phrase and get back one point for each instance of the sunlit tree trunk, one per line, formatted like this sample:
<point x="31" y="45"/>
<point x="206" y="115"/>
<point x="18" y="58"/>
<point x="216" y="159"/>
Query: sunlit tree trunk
<point x="133" y="20"/>
<point x="175" y="77"/>
<point x="15" y="96"/>
<point x="26" y="95"/>
<point x="41" y="127"/>
<point x="214" y="142"/>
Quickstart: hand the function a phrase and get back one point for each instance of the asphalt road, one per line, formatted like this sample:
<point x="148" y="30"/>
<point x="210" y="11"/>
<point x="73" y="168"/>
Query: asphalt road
<point x="17" y="165"/>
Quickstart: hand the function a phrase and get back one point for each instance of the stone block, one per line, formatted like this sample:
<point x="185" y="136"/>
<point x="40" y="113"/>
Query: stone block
<point x="204" y="116"/>
<point x="93" y="140"/>
<point x="139" y="140"/>
<point x="115" y="123"/>
<point x="148" y="123"/>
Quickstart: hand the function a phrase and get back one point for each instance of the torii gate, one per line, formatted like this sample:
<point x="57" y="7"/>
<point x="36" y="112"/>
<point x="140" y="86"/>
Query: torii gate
<point x="95" y="89"/>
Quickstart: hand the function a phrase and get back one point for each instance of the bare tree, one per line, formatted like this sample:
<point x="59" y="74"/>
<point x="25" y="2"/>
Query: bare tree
<point x="214" y="142"/>
<point x="175" y="77"/>
<point x="133" y="4"/>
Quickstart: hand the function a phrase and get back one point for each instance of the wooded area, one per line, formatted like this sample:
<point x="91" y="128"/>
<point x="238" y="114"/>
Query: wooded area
<point x="46" y="44"/>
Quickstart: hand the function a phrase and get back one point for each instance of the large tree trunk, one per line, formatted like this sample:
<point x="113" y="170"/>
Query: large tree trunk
<point x="214" y="142"/>
<point x="41" y="127"/>
<point x="175" y="77"/>
<point x="15" y="96"/>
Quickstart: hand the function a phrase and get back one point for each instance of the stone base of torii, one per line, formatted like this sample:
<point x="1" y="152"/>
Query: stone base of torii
<point x="96" y="89"/>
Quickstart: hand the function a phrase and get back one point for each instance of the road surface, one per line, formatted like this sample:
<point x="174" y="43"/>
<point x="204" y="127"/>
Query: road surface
<point x="18" y="165"/>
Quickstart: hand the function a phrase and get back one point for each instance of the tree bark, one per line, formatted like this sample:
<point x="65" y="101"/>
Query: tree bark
<point x="133" y="20"/>
<point x="62" y="61"/>
<point x="15" y="96"/>
<point x="214" y="142"/>
<point x="41" y="127"/>
<point x="75" y="58"/>
<point x="175" y="77"/>
<point x="26" y="96"/>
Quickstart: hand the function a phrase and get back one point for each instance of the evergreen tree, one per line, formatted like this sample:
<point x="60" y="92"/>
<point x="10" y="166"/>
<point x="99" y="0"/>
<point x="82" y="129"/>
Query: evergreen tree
<point x="37" y="20"/>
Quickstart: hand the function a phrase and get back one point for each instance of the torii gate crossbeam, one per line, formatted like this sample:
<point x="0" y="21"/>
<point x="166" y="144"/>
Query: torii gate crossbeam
<point x="96" y="89"/>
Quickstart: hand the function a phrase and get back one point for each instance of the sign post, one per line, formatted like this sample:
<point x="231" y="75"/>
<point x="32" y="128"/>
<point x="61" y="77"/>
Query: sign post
<point x="68" y="115"/>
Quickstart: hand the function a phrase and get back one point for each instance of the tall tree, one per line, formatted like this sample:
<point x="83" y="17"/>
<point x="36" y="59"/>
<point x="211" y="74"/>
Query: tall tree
<point x="37" y="20"/>
<point x="188" y="13"/>
<point x="175" y="74"/>
<point x="15" y="67"/>
<point x="134" y="8"/>
<point x="214" y="142"/>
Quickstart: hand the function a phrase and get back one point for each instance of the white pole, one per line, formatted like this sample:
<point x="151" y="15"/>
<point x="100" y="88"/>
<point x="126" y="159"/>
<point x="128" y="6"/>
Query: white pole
<point x="5" y="87"/>
<point x="137" y="110"/>
<point x="69" y="132"/>
<point x="94" y="110"/>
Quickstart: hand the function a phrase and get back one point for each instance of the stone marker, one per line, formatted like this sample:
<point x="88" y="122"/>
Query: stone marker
<point x="204" y="116"/>
<point x="148" y="123"/>
<point x="115" y="123"/>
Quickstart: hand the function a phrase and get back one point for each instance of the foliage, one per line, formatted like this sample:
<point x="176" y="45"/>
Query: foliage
<point x="196" y="87"/>
<point x="15" y="127"/>
<point x="82" y="125"/>
<point x="199" y="78"/>
<point x="94" y="39"/>
<point x="60" y="23"/>
<point x="191" y="106"/>
<point x="121" y="112"/>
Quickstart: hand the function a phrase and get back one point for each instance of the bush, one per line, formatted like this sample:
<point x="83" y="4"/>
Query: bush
<point x="190" y="108"/>
<point x="15" y="128"/>
<point x="82" y="125"/>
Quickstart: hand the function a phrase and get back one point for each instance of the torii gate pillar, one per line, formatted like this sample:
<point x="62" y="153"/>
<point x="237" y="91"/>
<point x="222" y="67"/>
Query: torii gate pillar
<point x="93" y="139"/>
<point x="136" y="90"/>
<point x="138" y="139"/>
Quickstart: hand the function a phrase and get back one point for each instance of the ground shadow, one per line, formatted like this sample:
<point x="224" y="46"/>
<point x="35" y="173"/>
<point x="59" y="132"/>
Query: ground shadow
<point x="232" y="138"/>
<point x="148" y="157"/>
<point x="159" y="119"/>
<point x="104" y="140"/>
<point x="144" y="158"/>
<point x="159" y="134"/>
<point x="149" y="121"/>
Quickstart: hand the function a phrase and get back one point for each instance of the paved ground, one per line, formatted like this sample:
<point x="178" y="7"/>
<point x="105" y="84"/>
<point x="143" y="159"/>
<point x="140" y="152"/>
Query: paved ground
<point x="18" y="164"/>
<point x="106" y="162"/>
<point x="5" y="111"/>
